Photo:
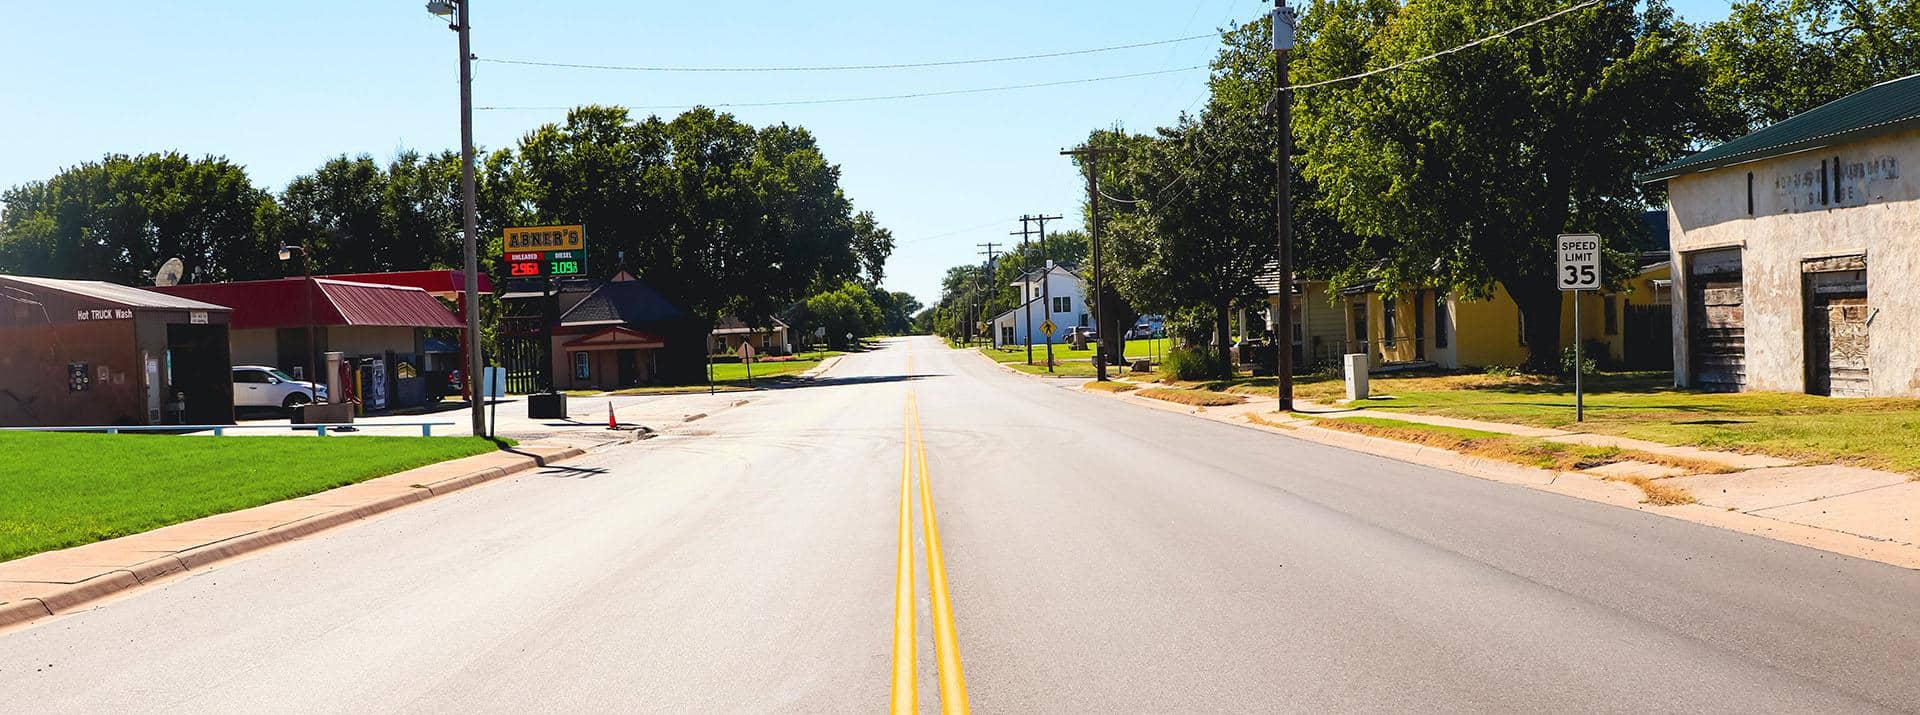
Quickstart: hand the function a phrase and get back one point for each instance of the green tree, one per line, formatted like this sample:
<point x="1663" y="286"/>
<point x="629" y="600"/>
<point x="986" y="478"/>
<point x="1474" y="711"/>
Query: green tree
<point x="119" y="218"/>
<point x="963" y="292"/>
<point x="723" y="217"/>
<point x="1206" y="232"/>
<point x="1772" y="59"/>
<point x="1462" y="170"/>
<point x="872" y="245"/>
<point x="849" y="309"/>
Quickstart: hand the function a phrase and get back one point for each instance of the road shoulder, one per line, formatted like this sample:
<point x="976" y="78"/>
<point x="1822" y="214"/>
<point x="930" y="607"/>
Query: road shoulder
<point x="1844" y="510"/>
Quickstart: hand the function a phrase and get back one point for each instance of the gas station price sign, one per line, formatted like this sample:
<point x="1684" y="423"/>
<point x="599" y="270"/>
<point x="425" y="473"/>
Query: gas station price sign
<point x="546" y="251"/>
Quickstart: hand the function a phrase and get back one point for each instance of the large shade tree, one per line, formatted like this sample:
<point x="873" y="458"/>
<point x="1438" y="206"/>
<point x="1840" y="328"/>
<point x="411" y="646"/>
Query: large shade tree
<point x="119" y="218"/>
<point x="1464" y="168"/>
<point x="1772" y="59"/>
<point x="724" y="217"/>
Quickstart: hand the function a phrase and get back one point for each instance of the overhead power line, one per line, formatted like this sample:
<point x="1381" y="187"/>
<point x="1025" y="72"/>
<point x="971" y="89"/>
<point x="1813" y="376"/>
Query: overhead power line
<point x="878" y="98"/>
<point x="1450" y="50"/>
<point x="1188" y="172"/>
<point x="846" y="68"/>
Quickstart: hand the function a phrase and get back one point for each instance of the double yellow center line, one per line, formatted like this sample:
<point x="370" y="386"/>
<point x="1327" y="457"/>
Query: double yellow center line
<point x="946" y="644"/>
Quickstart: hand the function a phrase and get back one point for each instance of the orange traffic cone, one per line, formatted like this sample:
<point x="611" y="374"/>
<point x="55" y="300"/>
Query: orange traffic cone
<point x="611" y="423"/>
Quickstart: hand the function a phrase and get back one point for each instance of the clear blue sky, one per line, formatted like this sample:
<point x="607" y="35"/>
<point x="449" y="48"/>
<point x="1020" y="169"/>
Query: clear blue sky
<point x="280" y="86"/>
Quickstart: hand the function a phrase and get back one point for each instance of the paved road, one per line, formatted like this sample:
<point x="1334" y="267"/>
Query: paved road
<point x="1101" y="558"/>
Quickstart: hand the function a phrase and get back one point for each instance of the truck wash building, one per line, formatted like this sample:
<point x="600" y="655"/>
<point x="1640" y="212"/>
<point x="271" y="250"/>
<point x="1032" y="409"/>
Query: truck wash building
<point x="1796" y="251"/>
<point x="78" y="353"/>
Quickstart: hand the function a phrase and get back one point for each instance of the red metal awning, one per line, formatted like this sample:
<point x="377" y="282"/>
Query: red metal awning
<point x="283" y="303"/>
<point x="439" y="283"/>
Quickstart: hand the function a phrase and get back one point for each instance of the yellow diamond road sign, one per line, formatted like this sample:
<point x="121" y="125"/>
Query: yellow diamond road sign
<point x="1047" y="327"/>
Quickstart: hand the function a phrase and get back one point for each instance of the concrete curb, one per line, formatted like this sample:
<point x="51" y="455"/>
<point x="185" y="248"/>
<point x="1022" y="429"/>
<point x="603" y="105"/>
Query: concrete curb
<point x="84" y="593"/>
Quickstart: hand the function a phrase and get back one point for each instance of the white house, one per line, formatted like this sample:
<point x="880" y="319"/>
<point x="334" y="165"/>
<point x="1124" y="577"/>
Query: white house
<point x="1068" y="307"/>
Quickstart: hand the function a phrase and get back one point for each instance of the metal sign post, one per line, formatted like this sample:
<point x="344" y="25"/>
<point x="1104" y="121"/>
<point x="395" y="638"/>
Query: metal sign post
<point x="1576" y="269"/>
<point x="746" y="356"/>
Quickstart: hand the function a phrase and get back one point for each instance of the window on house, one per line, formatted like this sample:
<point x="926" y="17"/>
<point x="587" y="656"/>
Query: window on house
<point x="766" y="341"/>
<point x="1006" y="335"/>
<point x="1389" y="322"/>
<point x="1610" y="314"/>
<point x="1063" y="304"/>
<point x="581" y="364"/>
<point x="1440" y="320"/>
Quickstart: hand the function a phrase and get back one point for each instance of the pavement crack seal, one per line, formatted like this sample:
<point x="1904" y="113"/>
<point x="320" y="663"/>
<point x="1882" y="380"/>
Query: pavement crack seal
<point x="946" y="641"/>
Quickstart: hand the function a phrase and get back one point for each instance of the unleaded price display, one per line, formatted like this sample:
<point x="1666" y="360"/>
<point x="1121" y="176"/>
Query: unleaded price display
<point x="557" y="264"/>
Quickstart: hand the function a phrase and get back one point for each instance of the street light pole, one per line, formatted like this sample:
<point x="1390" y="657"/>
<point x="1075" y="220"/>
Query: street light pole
<point x="1283" y="20"/>
<point x="306" y="267"/>
<point x="460" y="23"/>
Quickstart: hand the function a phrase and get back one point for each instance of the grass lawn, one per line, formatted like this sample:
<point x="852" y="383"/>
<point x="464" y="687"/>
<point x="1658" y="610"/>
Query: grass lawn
<point x="1018" y="353"/>
<point x="727" y="373"/>
<point x="65" y="489"/>
<point x="1066" y="369"/>
<point x="1520" y="450"/>
<point x="1880" y="433"/>
<point x="731" y="376"/>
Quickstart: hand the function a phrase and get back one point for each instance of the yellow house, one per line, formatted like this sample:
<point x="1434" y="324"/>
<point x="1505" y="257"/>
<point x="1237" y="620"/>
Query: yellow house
<point x="1319" y="322"/>
<point x="1431" y="328"/>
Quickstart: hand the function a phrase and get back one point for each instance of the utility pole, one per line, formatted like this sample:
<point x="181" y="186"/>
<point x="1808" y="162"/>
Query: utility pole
<point x="1283" y="20"/>
<point x="1046" y="280"/>
<point x="457" y="14"/>
<point x="1026" y="283"/>
<point x="1092" y="155"/>
<point x="986" y="278"/>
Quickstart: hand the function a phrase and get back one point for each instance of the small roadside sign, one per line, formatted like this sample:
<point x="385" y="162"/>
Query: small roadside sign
<point x="746" y="351"/>
<point x="820" y="332"/>
<point x="1047" y="327"/>
<point x="1577" y="261"/>
<point x="1577" y="268"/>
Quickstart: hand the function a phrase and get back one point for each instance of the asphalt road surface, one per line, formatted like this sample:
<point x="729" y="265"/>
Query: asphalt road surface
<point x="1100" y="557"/>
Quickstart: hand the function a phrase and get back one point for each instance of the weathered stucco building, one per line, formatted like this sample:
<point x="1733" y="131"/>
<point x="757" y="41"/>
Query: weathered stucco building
<point x="1796" y="251"/>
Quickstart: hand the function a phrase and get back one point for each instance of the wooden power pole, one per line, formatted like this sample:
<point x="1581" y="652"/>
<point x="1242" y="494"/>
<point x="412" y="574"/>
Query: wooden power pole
<point x="1092" y="155"/>
<point x="1283" y="215"/>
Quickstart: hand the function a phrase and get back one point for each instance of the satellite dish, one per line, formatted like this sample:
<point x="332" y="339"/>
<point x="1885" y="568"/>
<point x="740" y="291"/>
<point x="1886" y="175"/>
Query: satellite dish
<point x="169" y="273"/>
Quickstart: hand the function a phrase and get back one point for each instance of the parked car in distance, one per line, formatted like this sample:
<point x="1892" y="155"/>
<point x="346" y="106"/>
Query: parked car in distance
<point x="257" y="386"/>
<point x="1066" y="334"/>
<point x="1148" y="326"/>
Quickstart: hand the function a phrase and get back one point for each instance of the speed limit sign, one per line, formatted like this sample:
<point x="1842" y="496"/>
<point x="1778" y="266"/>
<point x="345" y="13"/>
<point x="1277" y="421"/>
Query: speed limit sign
<point x="1578" y="264"/>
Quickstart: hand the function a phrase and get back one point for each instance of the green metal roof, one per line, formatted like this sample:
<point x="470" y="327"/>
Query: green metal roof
<point x="1884" y="108"/>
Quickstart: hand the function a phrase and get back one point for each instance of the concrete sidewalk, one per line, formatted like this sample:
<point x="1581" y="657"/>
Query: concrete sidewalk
<point x="1866" y="513"/>
<point x="63" y="581"/>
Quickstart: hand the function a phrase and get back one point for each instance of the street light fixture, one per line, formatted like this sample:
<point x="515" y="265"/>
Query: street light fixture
<point x="306" y="266"/>
<point x="456" y="12"/>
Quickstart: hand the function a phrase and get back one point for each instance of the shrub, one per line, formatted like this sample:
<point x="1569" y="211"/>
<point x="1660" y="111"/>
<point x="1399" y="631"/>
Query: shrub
<point x="1498" y="370"/>
<point x="1195" y="363"/>
<point x="1588" y="365"/>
